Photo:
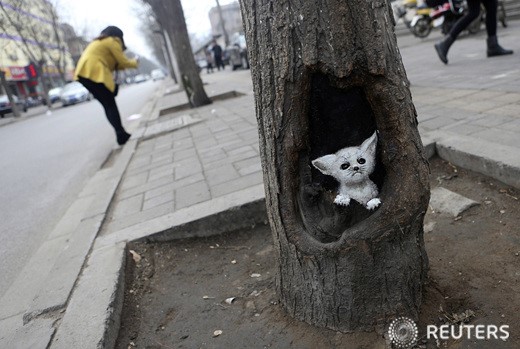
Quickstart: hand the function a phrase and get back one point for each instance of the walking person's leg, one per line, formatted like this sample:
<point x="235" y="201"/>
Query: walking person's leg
<point x="444" y="45"/>
<point x="493" y="48"/>
<point x="108" y="101"/>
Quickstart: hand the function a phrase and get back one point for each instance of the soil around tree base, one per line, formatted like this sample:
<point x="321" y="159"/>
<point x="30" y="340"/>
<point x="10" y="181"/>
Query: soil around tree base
<point x="176" y="293"/>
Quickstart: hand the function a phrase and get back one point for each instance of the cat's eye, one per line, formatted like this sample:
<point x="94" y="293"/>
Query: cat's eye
<point x="361" y="161"/>
<point x="345" y="166"/>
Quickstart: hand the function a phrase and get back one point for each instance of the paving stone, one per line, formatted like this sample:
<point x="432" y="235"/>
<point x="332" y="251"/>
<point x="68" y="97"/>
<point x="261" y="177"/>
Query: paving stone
<point x="128" y="206"/>
<point x="187" y="169"/>
<point x="230" y="159"/>
<point x="508" y="98"/>
<point x="191" y="194"/>
<point x="170" y="125"/>
<point x="445" y="201"/>
<point x="165" y="155"/>
<point x="438" y="122"/>
<point x="509" y="109"/>
<point x="488" y="120"/>
<point x="499" y="136"/>
<point x="464" y="128"/>
<point x="142" y="216"/>
<point x="134" y="180"/>
<point x="181" y="144"/>
<point x="209" y="142"/>
<point x="513" y="126"/>
<point x="221" y="174"/>
<point x="158" y="200"/>
<point x="132" y="170"/>
<point x="246" y="164"/>
<point x="166" y="188"/>
<point x="237" y="184"/>
<point x="124" y="194"/>
<point x="162" y="171"/>
<point x="179" y="155"/>
<point x="239" y="150"/>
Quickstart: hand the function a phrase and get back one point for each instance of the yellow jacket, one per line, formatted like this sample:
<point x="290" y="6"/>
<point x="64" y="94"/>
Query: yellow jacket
<point x="99" y="60"/>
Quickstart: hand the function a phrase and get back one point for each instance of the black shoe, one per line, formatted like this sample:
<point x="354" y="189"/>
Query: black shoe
<point x="442" y="48"/>
<point x="122" y="138"/>
<point x="494" y="49"/>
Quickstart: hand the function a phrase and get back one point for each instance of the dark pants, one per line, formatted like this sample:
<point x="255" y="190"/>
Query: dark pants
<point x="108" y="101"/>
<point x="218" y="62"/>
<point x="473" y="12"/>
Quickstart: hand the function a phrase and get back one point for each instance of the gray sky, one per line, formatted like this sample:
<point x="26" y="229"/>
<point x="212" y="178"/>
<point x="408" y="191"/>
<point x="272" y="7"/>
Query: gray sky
<point x="94" y="15"/>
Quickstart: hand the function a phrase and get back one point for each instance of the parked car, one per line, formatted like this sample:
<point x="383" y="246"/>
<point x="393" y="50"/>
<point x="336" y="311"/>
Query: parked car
<point x="32" y="102"/>
<point x="54" y="94"/>
<point x="157" y="74"/>
<point x="74" y="92"/>
<point x="6" y="107"/>
<point x="140" y="78"/>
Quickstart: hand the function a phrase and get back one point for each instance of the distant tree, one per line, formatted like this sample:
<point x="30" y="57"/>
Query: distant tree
<point x="326" y="74"/>
<point x="170" y="16"/>
<point x="149" y="28"/>
<point x="40" y="41"/>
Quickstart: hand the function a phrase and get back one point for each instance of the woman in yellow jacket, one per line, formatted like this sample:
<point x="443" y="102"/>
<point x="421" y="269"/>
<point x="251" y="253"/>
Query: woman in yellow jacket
<point x="94" y="70"/>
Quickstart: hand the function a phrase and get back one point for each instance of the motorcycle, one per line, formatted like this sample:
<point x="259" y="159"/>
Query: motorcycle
<point x="444" y="14"/>
<point x="403" y="10"/>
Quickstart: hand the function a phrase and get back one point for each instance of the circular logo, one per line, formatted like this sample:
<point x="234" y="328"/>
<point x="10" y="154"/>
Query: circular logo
<point x="403" y="332"/>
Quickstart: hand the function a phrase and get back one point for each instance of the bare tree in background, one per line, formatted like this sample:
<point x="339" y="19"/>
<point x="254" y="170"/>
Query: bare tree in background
<point x="41" y="43"/>
<point x="326" y="74"/>
<point x="170" y="15"/>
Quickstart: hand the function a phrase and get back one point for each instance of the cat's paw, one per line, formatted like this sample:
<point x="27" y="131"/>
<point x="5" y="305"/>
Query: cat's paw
<point x="375" y="202"/>
<point x="342" y="200"/>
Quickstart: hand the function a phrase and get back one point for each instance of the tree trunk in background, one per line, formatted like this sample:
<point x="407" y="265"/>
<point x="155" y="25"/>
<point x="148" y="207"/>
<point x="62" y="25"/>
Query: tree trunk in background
<point x="170" y="15"/>
<point x="326" y="74"/>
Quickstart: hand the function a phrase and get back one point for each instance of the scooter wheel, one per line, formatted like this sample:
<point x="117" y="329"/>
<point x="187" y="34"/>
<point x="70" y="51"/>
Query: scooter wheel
<point x="422" y="28"/>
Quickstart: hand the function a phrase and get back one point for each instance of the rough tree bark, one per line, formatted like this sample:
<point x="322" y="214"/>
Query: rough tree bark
<point x="170" y="16"/>
<point x="326" y="74"/>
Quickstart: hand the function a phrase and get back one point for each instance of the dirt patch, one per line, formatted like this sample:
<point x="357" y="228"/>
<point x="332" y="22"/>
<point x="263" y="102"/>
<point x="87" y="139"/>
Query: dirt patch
<point x="176" y="294"/>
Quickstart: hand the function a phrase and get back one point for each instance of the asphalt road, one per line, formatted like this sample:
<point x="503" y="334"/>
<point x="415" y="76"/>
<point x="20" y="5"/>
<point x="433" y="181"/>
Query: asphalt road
<point x="45" y="161"/>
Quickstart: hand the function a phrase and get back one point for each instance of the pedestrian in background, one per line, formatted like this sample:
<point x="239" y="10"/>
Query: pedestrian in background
<point x="217" y="54"/>
<point x="101" y="58"/>
<point x="493" y="48"/>
<point x="209" y="60"/>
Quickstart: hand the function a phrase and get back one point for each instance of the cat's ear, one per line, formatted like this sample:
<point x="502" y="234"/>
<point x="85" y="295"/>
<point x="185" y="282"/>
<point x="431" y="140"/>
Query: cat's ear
<point x="324" y="164"/>
<point x="369" y="145"/>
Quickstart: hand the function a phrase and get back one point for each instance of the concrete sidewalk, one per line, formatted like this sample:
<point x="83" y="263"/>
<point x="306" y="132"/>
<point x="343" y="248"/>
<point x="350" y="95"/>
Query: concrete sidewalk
<point x="197" y="172"/>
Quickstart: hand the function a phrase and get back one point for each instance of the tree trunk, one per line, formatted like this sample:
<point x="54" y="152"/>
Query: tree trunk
<point x="170" y="15"/>
<point x="326" y="74"/>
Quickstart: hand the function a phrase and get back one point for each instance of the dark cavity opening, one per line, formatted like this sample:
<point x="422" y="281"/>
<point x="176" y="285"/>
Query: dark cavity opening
<point x="339" y="117"/>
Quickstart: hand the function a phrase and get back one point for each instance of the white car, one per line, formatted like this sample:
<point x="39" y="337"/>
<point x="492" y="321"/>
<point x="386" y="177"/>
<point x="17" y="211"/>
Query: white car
<point x="140" y="78"/>
<point x="74" y="92"/>
<point x="54" y="94"/>
<point x="157" y="74"/>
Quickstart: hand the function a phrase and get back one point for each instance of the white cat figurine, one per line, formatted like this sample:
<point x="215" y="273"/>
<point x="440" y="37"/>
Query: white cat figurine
<point x="351" y="167"/>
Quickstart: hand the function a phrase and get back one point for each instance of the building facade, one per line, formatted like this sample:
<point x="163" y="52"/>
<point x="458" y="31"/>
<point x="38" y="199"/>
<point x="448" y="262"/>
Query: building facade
<point x="231" y="17"/>
<point x="32" y="47"/>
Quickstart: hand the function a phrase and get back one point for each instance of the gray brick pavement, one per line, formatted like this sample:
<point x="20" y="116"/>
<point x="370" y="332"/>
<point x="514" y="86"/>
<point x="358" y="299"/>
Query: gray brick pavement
<point x="190" y="165"/>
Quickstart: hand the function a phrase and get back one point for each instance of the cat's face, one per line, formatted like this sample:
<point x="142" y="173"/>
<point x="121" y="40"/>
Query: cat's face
<point x="350" y="165"/>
